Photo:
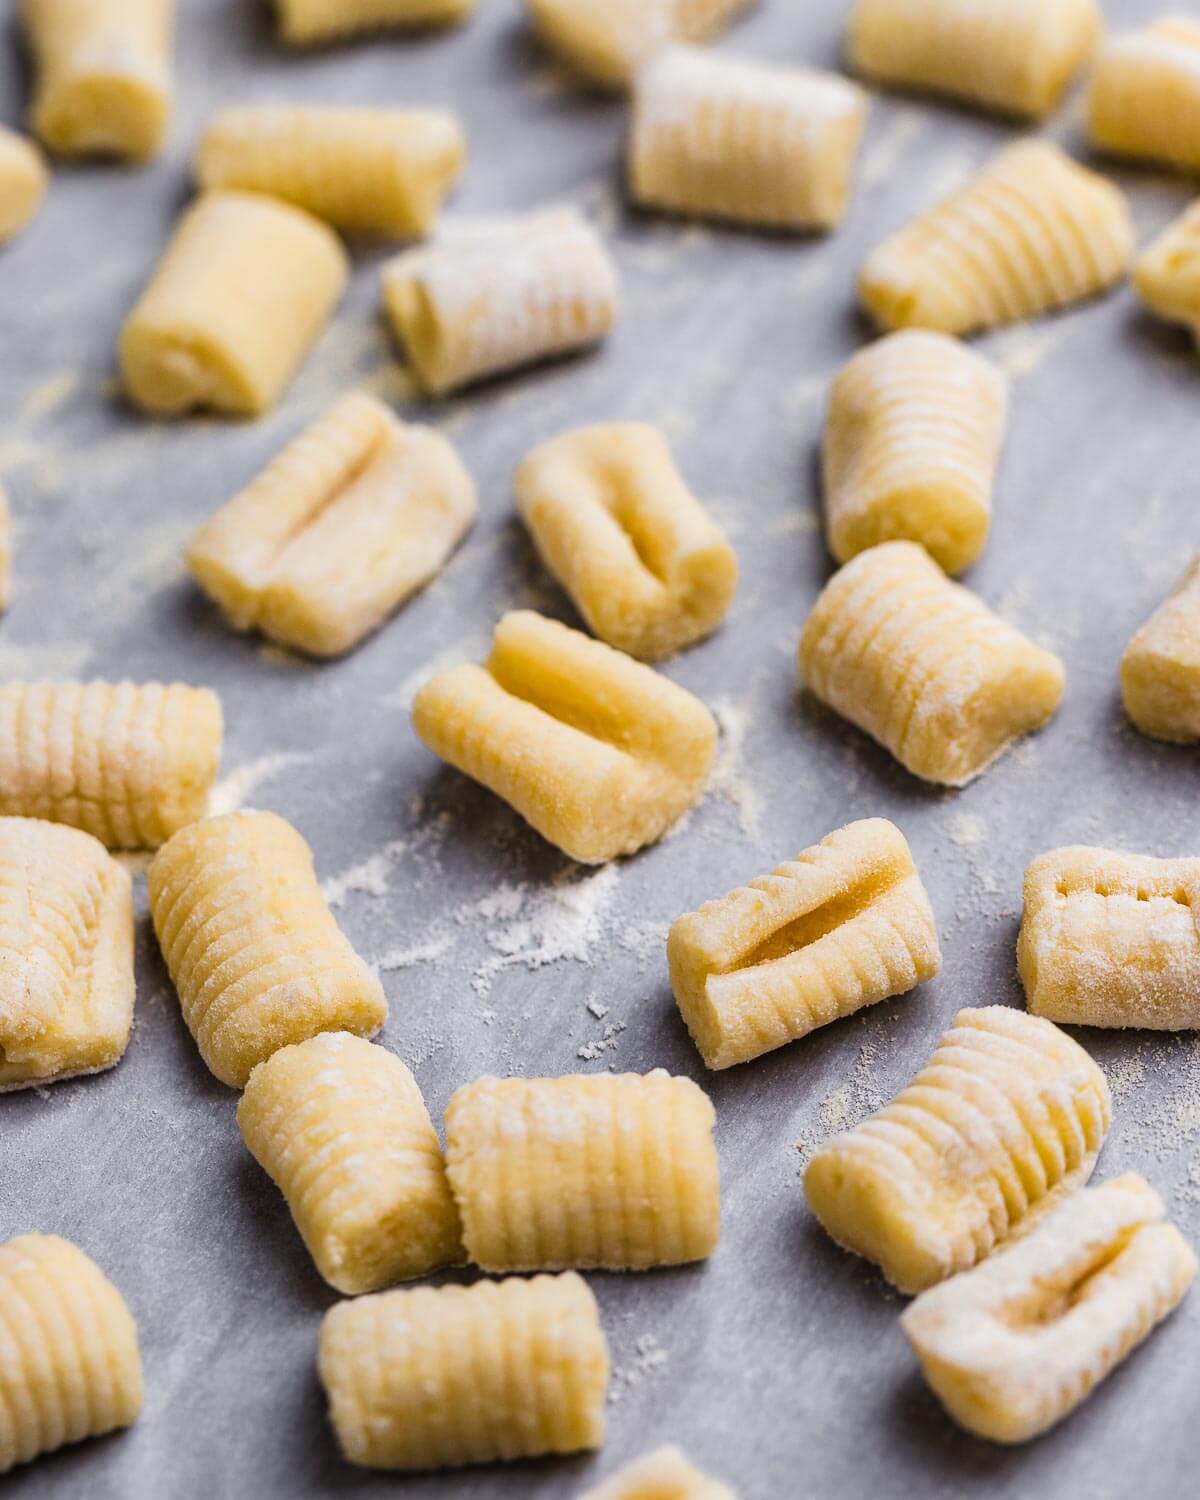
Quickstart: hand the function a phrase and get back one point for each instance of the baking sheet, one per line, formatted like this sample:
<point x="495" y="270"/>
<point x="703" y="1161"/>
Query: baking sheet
<point x="779" y="1365"/>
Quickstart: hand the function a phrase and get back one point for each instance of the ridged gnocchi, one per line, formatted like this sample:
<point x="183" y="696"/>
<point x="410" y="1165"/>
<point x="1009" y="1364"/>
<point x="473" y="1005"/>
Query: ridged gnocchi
<point x="129" y="763"/>
<point x="103" y="75"/>
<point x="609" y="41"/>
<point x="664" y="1474"/>
<point x="600" y="754"/>
<point x="913" y="436"/>
<point x="341" y="1128"/>
<point x="923" y="666"/>
<point x="1144" y="98"/>
<point x="1167" y="274"/>
<point x="352" y="518"/>
<point x="1031" y="233"/>
<point x="1160" y="671"/>
<point x="1112" y="939"/>
<point x="304" y="23"/>
<point x="487" y="302"/>
<point x="613" y="520"/>
<point x="1015" y="1345"/>
<point x="366" y="171"/>
<point x="70" y="1367"/>
<point x="1006" y="1118"/>
<point x="752" y="142"/>
<point x="612" y="1171"/>
<point x="251" y="946"/>
<point x="435" y="1379"/>
<point x="23" y="181"/>
<point x="66" y="954"/>
<point x="844" y="925"/>
<point x="1017" y="57"/>
<point x="243" y="290"/>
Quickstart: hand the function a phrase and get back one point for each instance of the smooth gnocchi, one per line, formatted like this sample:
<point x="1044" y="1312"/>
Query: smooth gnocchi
<point x="1167" y="274"/>
<point x="103" y="75"/>
<point x="66" y="954"/>
<point x="303" y="23"/>
<point x="913" y="434"/>
<point x="1144" y="97"/>
<point x="493" y="300"/>
<point x="352" y="518"/>
<point x="753" y="142"/>
<point x="251" y="946"/>
<point x="600" y="754"/>
<point x="613" y="1171"/>
<point x="129" y="763"/>
<point x="1017" y="57"/>
<point x="366" y="171"/>
<point x="844" y="925"/>
<point x="609" y="41"/>
<point x="1007" y="1117"/>
<point x="23" y="182"/>
<point x="243" y="290"/>
<point x="613" y="520"/>
<point x="435" y="1379"/>
<point x="341" y="1128"/>
<point x="70" y="1367"/>
<point x="1112" y="939"/>
<point x="1033" y="232"/>
<point x="1015" y="1345"/>
<point x="1160" y="671"/>
<point x="664" y="1474"/>
<point x="923" y="666"/>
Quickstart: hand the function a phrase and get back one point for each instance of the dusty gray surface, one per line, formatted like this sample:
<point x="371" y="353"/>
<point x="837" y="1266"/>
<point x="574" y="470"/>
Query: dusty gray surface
<point x="779" y="1364"/>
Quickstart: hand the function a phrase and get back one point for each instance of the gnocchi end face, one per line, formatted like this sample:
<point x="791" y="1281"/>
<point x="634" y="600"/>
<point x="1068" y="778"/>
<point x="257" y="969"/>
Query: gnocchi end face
<point x="23" y="182"/>
<point x="1160" y="671"/>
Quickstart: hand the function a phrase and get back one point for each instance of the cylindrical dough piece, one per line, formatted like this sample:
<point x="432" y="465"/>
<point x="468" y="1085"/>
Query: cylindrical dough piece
<point x="609" y="41"/>
<point x="23" y="179"/>
<point x="340" y="1126"/>
<point x="304" y="22"/>
<point x="103" y="74"/>
<point x="1144" y="98"/>
<point x="1160" y="671"/>
<point x="69" y="1361"/>
<point x="242" y="291"/>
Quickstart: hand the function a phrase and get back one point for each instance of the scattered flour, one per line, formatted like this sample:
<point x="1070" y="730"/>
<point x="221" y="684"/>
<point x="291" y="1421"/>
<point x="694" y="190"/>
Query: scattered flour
<point x="645" y="938"/>
<point x="728" y="780"/>
<point x="233" y="791"/>
<point x="1020" y="350"/>
<point x="853" y="1100"/>
<point x="594" y="1051"/>
<point x="967" y="830"/>
<point x="370" y="877"/>
<point x="649" y="1357"/>
<point x="423" y="953"/>
<point x="597" y="1008"/>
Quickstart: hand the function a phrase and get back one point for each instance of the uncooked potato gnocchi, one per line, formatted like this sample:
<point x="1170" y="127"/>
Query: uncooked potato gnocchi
<point x="609" y="41"/>
<point x="1144" y="98"/>
<point x="1160" y="671"/>
<point x="303" y="23"/>
<point x="1167" y="274"/>
<point x="23" y="181"/>
<point x="664" y="1474"/>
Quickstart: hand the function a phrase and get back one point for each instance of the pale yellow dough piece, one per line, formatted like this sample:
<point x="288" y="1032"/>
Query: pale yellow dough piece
<point x="304" y="23"/>
<point x="912" y="439"/>
<point x="251" y="946"/>
<point x="600" y="754"/>
<point x="1015" y="56"/>
<point x="1017" y="1344"/>
<point x="923" y="666"/>
<point x="1008" y="1116"/>
<point x="242" y="292"/>
<point x="609" y="41"/>
<point x="352" y="518"/>
<point x="66" y="954"/>
<point x="753" y="142"/>
<point x="1032" y="232"/>
<point x="128" y="763"/>
<point x="23" y="182"/>
<point x="484" y="303"/>
<point x="613" y="520"/>
<point x="845" y="925"/>
<point x="1160" y="671"/>
<point x="104" y="76"/>
<point x="1144" y="99"/>
<point x="340" y="1126"/>
<point x="1167" y="274"/>
<point x="6" y="552"/>
<point x="1111" y="939"/>
<point x="435" y="1379"/>
<point x="618" y="1172"/>
<point x="69" y="1362"/>
<point x="367" y="171"/>
<point x="664" y="1474"/>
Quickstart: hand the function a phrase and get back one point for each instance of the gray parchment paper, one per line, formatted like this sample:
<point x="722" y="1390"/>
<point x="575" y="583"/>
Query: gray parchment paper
<point x="779" y="1365"/>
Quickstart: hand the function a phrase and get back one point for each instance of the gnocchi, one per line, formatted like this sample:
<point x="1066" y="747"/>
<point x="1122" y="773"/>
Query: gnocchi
<point x="352" y="518"/>
<point x="1144" y="98"/>
<point x="664" y="1474"/>
<point x="600" y="754"/>
<point x="435" y="1379"/>
<point x="1015" y="1345"/>
<point x="845" y="925"/>
<point x="305" y="22"/>
<point x="1033" y="232"/>
<point x="1006" y="1118"/>
<point x="1160" y="671"/>
<point x="611" y="1171"/>
<point x="251" y="946"/>
<point x="23" y="181"/>
<point x="912" y="439"/>
<point x="615" y="523"/>
<point x="923" y="666"/>
<point x="1167" y="274"/>
<point x="748" y="141"/>
<point x="244" y="289"/>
